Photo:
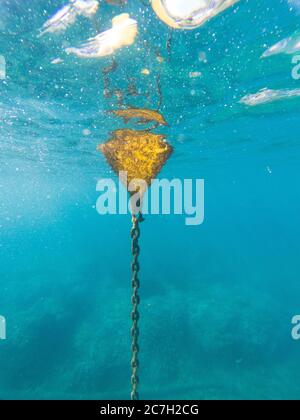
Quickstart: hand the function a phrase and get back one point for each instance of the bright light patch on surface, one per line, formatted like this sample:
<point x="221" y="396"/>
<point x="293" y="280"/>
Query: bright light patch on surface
<point x="2" y="328"/>
<point x="67" y="15"/>
<point x="185" y="8"/>
<point x="288" y="45"/>
<point x="2" y="68"/>
<point x="122" y="33"/>
<point x="266" y="96"/>
<point x="189" y="14"/>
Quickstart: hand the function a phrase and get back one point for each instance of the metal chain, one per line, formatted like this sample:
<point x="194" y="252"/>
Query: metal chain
<point x="135" y="234"/>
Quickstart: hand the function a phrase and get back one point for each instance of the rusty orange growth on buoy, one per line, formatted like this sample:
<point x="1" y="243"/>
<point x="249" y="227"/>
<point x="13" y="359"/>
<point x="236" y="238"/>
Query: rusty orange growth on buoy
<point x="141" y="114"/>
<point x="140" y="154"/>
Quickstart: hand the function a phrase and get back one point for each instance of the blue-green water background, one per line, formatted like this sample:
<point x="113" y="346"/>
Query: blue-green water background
<point x="217" y="300"/>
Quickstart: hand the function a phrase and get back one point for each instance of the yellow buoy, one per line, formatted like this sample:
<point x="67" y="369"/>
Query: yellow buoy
<point x="189" y="14"/>
<point x="140" y="154"/>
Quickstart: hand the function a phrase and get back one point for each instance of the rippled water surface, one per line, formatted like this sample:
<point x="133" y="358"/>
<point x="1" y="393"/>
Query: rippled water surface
<point x="217" y="299"/>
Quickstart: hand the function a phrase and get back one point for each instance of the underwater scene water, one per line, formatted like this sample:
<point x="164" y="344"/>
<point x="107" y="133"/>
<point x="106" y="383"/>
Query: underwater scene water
<point x="217" y="300"/>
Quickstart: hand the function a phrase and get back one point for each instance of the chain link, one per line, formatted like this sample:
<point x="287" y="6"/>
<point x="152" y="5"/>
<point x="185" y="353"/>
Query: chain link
<point x="135" y="235"/>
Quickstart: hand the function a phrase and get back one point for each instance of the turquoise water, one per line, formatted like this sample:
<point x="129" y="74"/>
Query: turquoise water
<point x="217" y="299"/>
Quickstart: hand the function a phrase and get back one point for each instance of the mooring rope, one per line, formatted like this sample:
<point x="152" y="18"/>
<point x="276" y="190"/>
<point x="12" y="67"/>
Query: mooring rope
<point x="135" y="234"/>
